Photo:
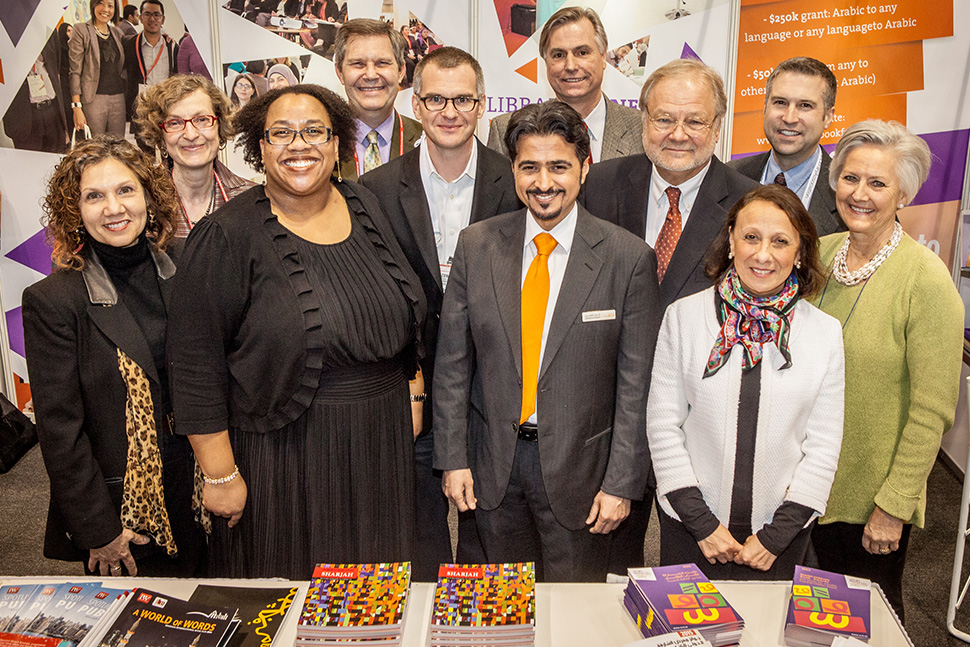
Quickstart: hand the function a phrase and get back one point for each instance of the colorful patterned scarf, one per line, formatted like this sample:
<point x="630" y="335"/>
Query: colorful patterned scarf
<point x="752" y="322"/>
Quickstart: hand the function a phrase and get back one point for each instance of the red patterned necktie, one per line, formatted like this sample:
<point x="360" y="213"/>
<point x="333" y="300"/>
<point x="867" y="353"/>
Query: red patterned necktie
<point x="669" y="233"/>
<point x="780" y="179"/>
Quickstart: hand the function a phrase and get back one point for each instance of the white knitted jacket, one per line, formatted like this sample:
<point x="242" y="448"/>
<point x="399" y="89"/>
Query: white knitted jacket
<point x="692" y="422"/>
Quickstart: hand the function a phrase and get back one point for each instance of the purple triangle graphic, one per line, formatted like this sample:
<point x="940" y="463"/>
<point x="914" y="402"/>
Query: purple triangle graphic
<point x="34" y="253"/>
<point x="15" y="331"/>
<point x="689" y="53"/>
<point x="15" y="17"/>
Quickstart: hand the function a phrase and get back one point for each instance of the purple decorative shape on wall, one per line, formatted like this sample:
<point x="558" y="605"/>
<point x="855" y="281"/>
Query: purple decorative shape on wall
<point x="15" y="17"/>
<point x="15" y="330"/>
<point x="689" y="53"/>
<point x="34" y="252"/>
<point x="945" y="182"/>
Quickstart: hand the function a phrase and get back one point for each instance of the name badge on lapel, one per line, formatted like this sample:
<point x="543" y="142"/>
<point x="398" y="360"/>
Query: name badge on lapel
<point x="599" y="315"/>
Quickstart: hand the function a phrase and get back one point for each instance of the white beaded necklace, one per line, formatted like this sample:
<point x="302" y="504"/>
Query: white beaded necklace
<point x="840" y="269"/>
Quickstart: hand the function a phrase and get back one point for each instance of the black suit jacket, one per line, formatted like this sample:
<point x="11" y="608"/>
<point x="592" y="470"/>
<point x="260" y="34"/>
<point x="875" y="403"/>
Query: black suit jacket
<point x="617" y="190"/>
<point x="594" y="375"/>
<point x="19" y="120"/>
<point x="74" y="325"/>
<point x="400" y="190"/>
<point x="135" y="64"/>
<point x="821" y="208"/>
<point x="411" y="131"/>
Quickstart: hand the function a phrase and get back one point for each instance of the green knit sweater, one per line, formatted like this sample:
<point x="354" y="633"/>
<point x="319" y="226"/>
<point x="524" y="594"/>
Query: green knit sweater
<point x="903" y="353"/>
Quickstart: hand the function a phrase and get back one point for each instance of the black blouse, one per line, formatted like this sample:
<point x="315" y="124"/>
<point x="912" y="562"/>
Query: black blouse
<point x="247" y="341"/>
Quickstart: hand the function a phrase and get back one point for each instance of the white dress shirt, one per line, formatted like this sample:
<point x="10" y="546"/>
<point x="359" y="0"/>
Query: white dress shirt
<point x="450" y="204"/>
<point x="658" y="203"/>
<point x="160" y="72"/>
<point x="563" y="233"/>
<point x="596" y="125"/>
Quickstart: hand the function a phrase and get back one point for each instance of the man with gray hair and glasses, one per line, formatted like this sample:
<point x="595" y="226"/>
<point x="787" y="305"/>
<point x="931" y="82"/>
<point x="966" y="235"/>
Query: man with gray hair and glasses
<point x="676" y="197"/>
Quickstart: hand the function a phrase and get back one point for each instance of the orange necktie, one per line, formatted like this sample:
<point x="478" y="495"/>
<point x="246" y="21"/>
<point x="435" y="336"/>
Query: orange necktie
<point x="535" y="296"/>
<point x="669" y="233"/>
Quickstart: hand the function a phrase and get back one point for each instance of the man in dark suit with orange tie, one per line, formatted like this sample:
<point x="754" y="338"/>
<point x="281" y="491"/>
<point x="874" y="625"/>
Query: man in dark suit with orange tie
<point x="676" y="197"/>
<point x="544" y="355"/>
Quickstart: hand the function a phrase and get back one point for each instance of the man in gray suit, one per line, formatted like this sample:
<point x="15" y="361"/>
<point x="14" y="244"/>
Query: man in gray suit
<point x="430" y="194"/>
<point x="546" y="344"/>
<point x="799" y="106"/>
<point x="683" y="105"/>
<point x="573" y="46"/>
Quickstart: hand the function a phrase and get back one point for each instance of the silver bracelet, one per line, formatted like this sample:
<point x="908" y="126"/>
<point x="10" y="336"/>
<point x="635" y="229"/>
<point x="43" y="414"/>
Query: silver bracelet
<point x="224" y="479"/>
<point x="419" y="397"/>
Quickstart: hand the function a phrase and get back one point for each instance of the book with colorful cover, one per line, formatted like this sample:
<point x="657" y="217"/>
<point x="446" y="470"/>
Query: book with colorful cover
<point x="824" y="606"/>
<point x="260" y="611"/>
<point x="71" y="610"/>
<point x="15" y="612"/>
<point x="681" y="597"/>
<point x="484" y="597"/>
<point x="149" y="619"/>
<point x="356" y="600"/>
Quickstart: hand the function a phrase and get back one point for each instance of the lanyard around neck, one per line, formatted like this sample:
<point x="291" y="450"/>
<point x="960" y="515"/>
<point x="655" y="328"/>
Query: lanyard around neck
<point x="141" y="63"/>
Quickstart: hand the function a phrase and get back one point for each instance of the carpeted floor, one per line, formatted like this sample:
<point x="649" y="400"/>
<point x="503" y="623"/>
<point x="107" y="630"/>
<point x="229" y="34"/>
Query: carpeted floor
<point x="24" y="496"/>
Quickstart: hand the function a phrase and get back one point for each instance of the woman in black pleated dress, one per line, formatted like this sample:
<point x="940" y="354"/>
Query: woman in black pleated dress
<point x="293" y="343"/>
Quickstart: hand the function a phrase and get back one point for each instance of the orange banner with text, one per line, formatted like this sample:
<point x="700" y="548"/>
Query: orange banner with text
<point x="874" y="50"/>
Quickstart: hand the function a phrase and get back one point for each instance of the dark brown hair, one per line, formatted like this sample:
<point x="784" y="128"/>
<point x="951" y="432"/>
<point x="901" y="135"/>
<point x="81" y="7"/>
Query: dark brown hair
<point x="811" y="274"/>
<point x="62" y="211"/>
<point x="250" y="121"/>
<point x="548" y="118"/>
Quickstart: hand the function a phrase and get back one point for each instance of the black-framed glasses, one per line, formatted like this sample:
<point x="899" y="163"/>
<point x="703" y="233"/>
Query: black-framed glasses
<point x="152" y="14"/>
<point x="281" y="136"/>
<point x="437" y="103"/>
<point x="176" y="125"/>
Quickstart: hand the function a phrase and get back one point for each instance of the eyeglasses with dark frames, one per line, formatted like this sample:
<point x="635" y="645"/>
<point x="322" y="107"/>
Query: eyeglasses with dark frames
<point x="312" y="135"/>
<point x="437" y="103"/>
<point x="176" y="125"/>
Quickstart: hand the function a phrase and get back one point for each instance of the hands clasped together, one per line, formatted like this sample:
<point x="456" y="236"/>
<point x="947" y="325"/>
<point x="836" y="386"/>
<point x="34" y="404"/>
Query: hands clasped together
<point x="721" y="546"/>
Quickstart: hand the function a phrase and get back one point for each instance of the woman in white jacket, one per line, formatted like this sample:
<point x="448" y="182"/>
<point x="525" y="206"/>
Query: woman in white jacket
<point x="745" y="443"/>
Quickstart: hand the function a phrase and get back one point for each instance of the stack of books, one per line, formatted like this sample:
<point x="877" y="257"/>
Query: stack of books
<point x="484" y="604"/>
<point x="348" y="604"/>
<point x="673" y="598"/>
<point x="825" y="606"/>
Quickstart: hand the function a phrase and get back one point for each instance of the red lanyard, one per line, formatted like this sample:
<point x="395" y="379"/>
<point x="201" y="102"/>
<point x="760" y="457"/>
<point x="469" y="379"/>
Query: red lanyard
<point x="141" y="64"/>
<point x="400" y="141"/>
<point x="222" y="190"/>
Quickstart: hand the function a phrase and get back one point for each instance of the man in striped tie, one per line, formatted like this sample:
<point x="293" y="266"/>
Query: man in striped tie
<point x="544" y="355"/>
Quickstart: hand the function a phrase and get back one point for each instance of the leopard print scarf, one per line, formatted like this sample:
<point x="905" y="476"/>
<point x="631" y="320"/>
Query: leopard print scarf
<point x="143" y="503"/>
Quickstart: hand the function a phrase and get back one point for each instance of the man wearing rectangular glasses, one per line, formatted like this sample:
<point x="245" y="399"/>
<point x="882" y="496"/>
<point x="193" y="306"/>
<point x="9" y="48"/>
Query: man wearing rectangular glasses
<point x="430" y="194"/>
<point x="150" y="57"/>
<point x="676" y="197"/>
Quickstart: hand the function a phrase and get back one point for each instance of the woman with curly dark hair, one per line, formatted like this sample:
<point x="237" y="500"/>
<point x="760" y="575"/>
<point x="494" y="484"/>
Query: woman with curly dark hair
<point x="187" y="118"/>
<point x="293" y="336"/>
<point x="121" y="482"/>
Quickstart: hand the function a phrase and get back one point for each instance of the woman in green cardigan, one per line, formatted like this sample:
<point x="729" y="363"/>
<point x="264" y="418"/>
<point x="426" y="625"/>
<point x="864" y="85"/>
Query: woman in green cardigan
<point x="902" y="326"/>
